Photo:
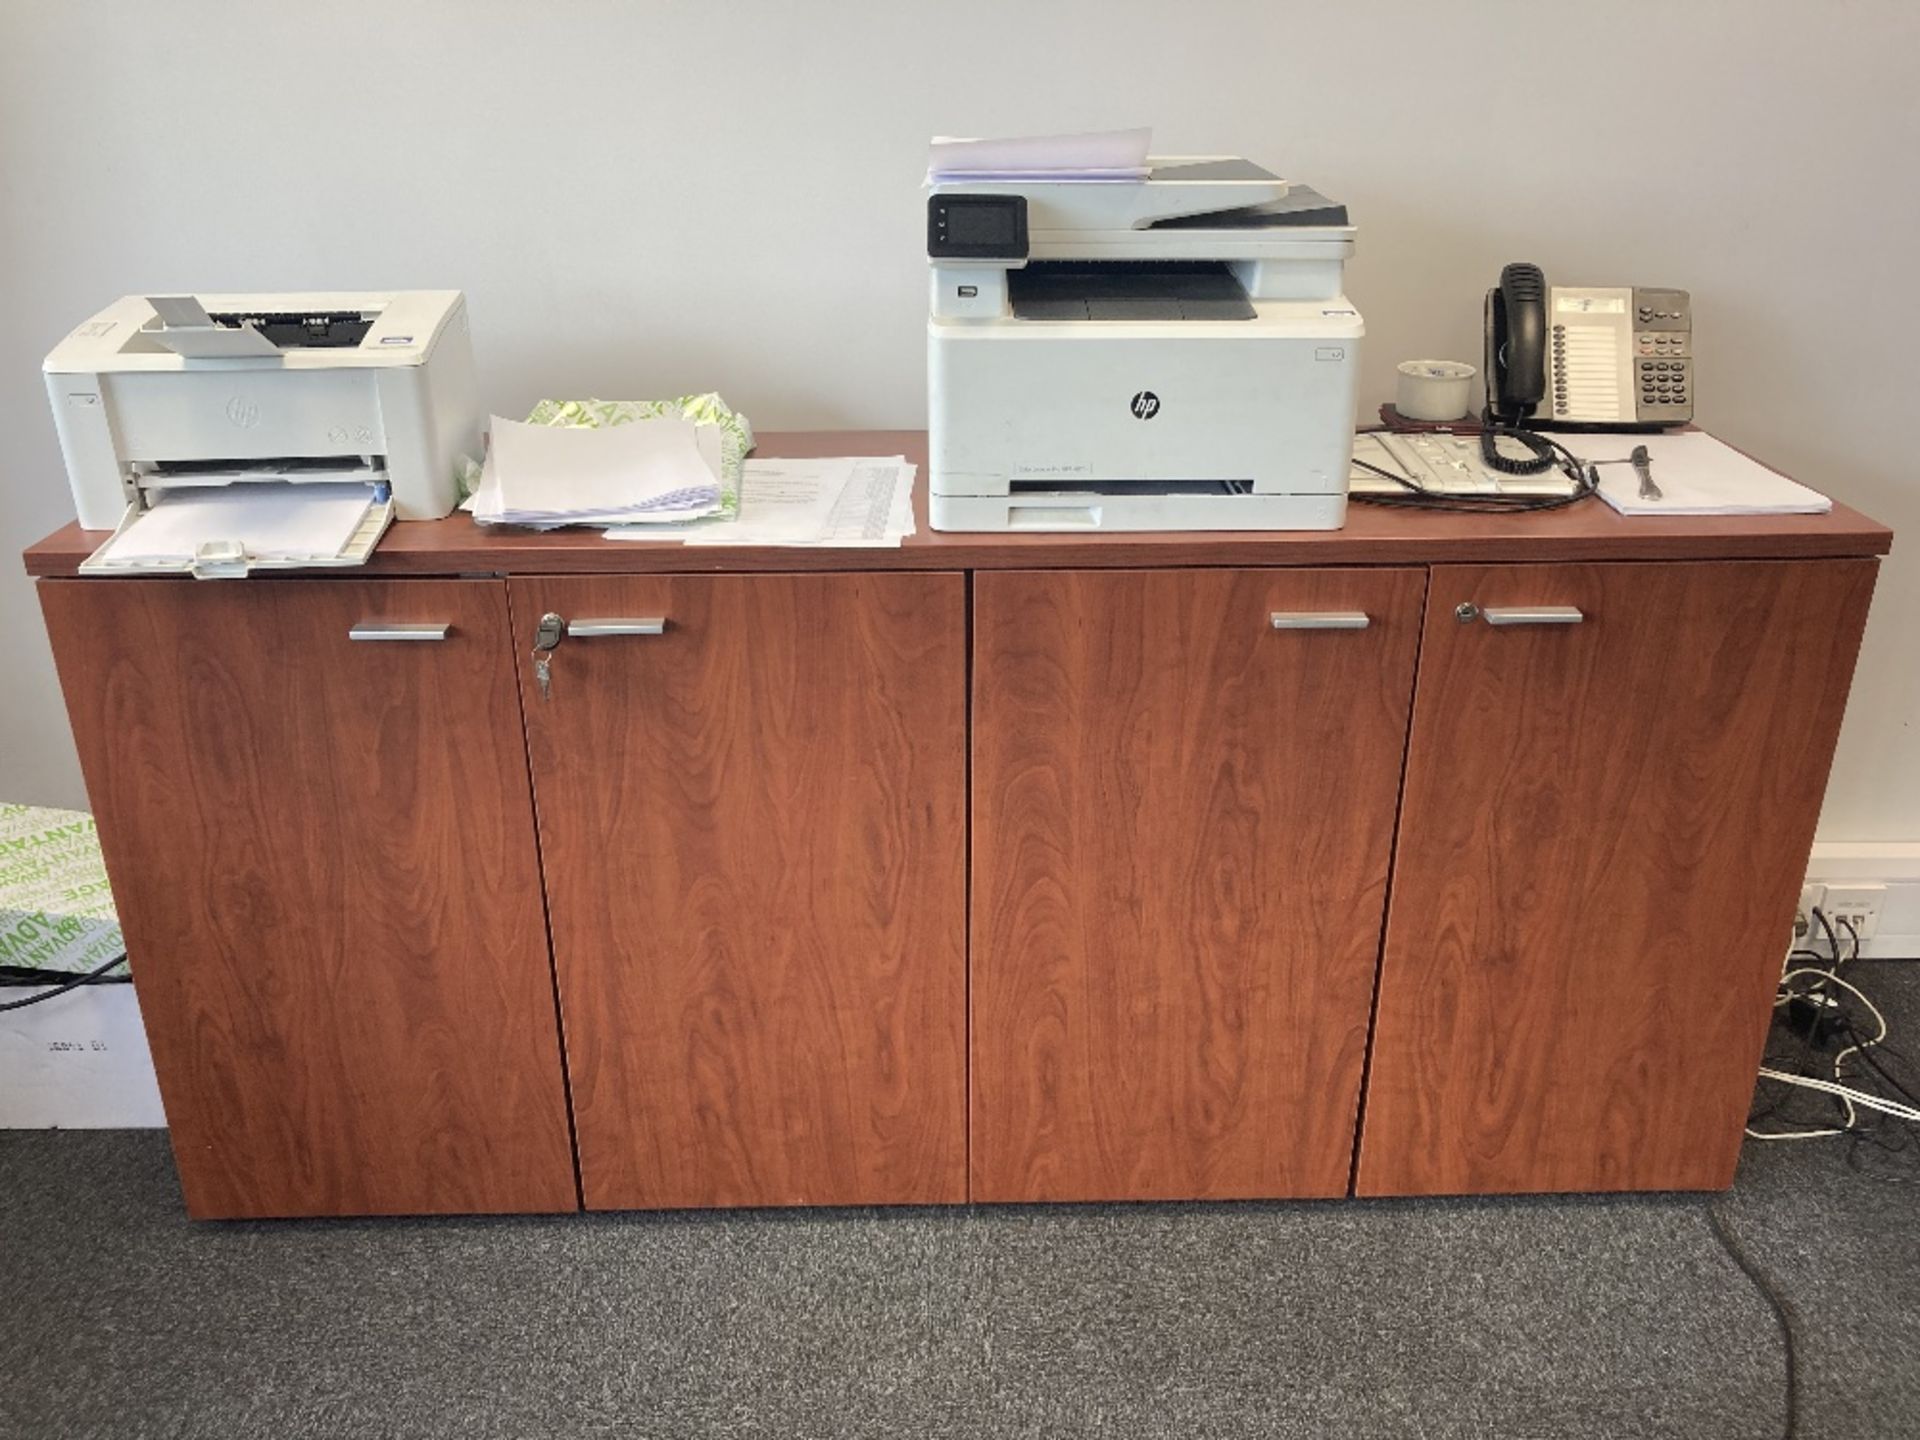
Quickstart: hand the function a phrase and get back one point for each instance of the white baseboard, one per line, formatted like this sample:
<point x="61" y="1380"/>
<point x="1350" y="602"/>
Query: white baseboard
<point x="1893" y="864"/>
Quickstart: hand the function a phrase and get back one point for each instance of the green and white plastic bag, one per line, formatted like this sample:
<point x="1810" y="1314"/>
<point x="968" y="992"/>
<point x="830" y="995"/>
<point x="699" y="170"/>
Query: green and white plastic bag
<point x="56" y="910"/>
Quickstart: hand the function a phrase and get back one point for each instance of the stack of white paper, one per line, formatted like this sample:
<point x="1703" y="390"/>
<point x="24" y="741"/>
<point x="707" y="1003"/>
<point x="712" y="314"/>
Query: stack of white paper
<point x="1697" y="475"/>
<point x="1103" y="155"/>
<point x="650" y="471"/>
<point x="271" y="520"/>
<point x="842" y="502"/>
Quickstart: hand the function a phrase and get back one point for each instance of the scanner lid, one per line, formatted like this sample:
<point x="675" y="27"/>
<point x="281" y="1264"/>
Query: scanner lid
<point x="1301" y="208"/>
<point x="1175" y="185"/>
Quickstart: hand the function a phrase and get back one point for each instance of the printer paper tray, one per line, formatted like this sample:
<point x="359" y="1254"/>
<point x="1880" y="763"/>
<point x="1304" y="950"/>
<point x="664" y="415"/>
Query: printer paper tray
<point x="223" y="560"/>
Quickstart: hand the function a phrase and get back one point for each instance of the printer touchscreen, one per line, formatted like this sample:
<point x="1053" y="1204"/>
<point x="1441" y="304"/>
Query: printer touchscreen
<point x="977" y="227"/>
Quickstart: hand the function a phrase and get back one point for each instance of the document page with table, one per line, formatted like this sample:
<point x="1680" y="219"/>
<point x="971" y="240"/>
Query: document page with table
<point x="839" y="502"/>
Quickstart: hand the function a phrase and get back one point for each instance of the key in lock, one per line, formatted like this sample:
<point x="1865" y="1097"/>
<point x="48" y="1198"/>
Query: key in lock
<point x="547" y="636"/>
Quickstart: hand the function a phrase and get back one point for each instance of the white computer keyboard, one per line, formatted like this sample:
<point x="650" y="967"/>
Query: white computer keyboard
<point x="1443" y="464"/>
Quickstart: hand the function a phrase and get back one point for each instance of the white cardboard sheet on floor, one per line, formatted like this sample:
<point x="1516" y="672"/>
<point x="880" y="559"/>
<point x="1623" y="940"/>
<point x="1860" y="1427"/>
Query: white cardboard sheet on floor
<point x="78" y="1062"/>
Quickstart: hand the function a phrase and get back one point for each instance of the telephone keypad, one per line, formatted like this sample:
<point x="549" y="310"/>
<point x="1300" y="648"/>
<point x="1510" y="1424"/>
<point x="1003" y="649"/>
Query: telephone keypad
<point x="1663" y="382"/>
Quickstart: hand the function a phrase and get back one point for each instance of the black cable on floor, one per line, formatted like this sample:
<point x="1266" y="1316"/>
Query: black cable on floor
<point x="58" y="990"/>
<point x="1779" y="1307"/>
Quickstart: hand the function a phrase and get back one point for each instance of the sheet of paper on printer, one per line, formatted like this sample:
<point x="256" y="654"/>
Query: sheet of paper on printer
<point x="1697" y="475"/>
<point x="1101" y="155"/>
<point x="273" y="520"/>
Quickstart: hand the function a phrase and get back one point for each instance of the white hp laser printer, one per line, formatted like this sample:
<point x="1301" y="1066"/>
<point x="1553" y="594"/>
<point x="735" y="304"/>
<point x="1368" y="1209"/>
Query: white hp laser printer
<point x="156" y="393"/>
<point x="1171" y="353"/>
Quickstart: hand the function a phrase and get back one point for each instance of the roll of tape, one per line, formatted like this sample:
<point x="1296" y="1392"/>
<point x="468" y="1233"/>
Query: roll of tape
<point x="1434" y="389"/>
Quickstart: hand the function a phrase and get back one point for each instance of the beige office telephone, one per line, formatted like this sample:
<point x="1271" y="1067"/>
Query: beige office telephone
<point x="1566" y="357"/>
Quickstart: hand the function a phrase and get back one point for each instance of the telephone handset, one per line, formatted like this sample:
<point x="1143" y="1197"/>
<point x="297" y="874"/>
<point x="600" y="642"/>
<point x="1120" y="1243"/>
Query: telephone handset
<point x="1587" y="358"/>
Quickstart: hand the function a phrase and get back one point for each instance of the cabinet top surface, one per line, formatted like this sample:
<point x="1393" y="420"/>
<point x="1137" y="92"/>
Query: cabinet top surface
<point x="1374" y="535"/>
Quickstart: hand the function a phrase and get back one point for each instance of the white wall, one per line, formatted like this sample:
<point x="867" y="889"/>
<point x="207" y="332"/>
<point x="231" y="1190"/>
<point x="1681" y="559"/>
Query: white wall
<point x="644" y="199"/>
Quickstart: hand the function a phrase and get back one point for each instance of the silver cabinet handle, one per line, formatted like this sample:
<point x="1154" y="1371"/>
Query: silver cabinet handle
<point x="400" y="630"/>
<point x="1532" y="615"/>
<point x="1319" y="620"/>
<point x="646" y="625"/>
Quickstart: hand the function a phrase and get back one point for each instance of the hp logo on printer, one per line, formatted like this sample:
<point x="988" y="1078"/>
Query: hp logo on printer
<point x="1145" y="405"/>
<point x="243" y="412"/>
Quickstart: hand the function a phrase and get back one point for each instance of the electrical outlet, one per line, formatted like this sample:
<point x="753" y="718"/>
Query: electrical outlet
<point x="1812" y="898"/>
<point x="1858" y="905"/>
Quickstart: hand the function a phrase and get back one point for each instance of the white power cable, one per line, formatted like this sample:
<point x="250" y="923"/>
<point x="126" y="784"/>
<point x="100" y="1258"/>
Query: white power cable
<point x="1845" y="1092"/>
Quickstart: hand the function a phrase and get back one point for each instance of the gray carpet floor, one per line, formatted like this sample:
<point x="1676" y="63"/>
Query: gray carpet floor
<point x="1562" y="1317"/>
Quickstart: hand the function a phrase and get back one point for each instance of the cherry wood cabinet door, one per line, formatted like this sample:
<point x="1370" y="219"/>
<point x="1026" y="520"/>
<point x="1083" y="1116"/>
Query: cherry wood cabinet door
<point x="323" y="854"/>
<point x="1182" y="822"/>
<point x="1604" y="833"/>
<point x="753" y="832"/>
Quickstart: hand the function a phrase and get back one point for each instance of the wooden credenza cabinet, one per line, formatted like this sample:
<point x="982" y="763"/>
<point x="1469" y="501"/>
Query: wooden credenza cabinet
<point x="753" y="827"/>
<point x="322" y="851"/>
<point x="1002" y="868"/>
<point x="1603" y="832"/>
<point x="1182" y="829"/>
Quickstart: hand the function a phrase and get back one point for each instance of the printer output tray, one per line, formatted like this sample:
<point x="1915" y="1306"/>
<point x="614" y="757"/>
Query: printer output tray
<point x="1127" y="290"/>
<point x="219" y="558"/>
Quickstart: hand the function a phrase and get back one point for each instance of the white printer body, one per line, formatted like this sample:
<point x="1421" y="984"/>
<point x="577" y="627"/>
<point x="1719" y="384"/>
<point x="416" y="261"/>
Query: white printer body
<point x="212" y="389"/>
<point x="1175" y="353"/>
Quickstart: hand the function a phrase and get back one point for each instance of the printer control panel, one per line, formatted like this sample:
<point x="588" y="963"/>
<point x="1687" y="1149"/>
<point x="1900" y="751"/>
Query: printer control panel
<point x="977" y="227"/>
